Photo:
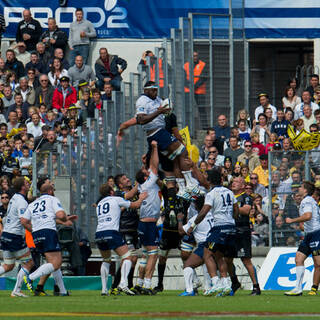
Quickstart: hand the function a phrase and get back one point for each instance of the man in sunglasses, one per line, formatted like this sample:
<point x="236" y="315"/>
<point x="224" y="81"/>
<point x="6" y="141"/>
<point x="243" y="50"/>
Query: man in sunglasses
<point x="249" y="158"/>
<point x="44" y="92"/>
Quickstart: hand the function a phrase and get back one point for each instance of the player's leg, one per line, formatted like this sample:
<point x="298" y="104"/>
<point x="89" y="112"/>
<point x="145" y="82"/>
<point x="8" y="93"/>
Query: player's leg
<point x="141" y="270"/>
<point x="126" y="264"/>
<point x="253" y="275"/>
<point x="151" y="263"/>
<point x="104" y="270"/>
<point x="162" y="262"/>
<point x="316" y="275"/>
<point x="299" y="259"/>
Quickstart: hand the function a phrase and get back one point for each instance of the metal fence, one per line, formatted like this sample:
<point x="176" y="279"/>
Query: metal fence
<point x="286" y="172"/>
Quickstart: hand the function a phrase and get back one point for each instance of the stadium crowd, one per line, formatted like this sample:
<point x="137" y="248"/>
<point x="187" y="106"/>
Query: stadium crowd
<point x="44" y="98"/>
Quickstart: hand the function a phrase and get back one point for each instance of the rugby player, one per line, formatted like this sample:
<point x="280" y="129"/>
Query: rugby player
<point x="12" y="239"/>
<point x="196" y="257"/>
<point x="149" y="214"/>
<point x="109" y="238"/>
<point x="221" y="238"/>
<point x="243" y="237"/>
<point x="128" y="227"/>
<point x="309" y="214"/>
<point x="40" y="218"/>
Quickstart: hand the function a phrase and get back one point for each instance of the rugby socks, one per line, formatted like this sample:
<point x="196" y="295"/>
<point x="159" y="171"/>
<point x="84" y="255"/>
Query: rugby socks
<point x="195" y="278"/>
<point x="147" y="283"/>
<point x="104" y="272"/>
<point x="116" y="279"/>
<point x="41" y="271"/>
<point x="188" y="177"/>
<point x="57" y="276"/>
<point x="130" y="277"/>
<point x="22" y="272"/>
<point x="161" y="269"/>
<point x="188" y="277"/>
<point x="206" y="276"/>
<point x="181" y="184"/>
<point x="300" y="274"/>
<point x="140" y="282"/>
<point x="314" y="288"/>
<point x="125" y="269"/>
<point x="2" y="271"/>
<point x="226" y="282"/>
<point x="215" y="281"/>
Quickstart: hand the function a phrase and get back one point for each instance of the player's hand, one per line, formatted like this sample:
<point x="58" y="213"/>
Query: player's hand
<point x="82" y="34"/>
<point x="72" y="217"/>
<point x="289" y="220"/>
<point x="189" y="232"/>
<point x="154" y="144"/>
<point x="143" y="195"/>
<point x="119" y="137"/>
<point x="163" y="109"/>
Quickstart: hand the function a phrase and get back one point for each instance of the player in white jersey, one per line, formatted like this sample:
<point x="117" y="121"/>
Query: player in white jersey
<point x="309" y="214"/>
<point x="149" y="215"/>
<point x="109" y="238"/>
<point x="13" y="240"/>
<point x="150" y="114"/>
<point x="196" y="257"/>
<point x="40" y="218"/>
<point x="220" y="241"/>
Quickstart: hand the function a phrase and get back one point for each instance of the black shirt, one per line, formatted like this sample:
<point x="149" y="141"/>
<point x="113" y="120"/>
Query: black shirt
<point x="243" y="222"/>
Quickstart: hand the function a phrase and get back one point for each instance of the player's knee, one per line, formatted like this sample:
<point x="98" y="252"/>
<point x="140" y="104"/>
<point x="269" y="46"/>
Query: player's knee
<point x="163" y="255"/>
<point x="125" y="256"/>
<point x="153" y="253"/>
<point x="8" y="267"/>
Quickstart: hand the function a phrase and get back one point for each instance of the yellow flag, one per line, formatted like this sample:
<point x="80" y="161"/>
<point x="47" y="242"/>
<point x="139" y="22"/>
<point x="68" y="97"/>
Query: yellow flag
<point x="185" y="134"/>
<point x="304" y="140"/>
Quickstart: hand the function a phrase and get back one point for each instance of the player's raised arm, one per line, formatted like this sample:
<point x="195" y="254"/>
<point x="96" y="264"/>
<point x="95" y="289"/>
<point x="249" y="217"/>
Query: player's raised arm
<point x="131" y="193"/>
<point x="154" y="160"/>
<point x="137" y="204"/>
<point x="123" y="126"/>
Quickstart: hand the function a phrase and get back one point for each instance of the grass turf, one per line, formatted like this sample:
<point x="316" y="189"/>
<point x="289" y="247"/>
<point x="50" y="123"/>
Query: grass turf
<point x="90" y="302"/>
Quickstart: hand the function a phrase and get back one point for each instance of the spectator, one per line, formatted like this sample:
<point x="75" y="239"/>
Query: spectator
<point x="33" y="81"/>
<point x="44" y="93"/>
<point x="3" y="69"/>
<point x="13" y="121"/>
<point x="108" y="71"/>
<point x="54" y="38"/>
<point x="44" y="56"/>
<point x="21" y="52"/>
<point x="18" y="103"/>
<point x="51" y="144"/>
<point x="199" y="82"/>
<point x="27" y="92"/>
<point x="269" y="115"/>
<point x="234" y="151"/>
<point x="262" y="171"/>
<point x="28" y="31"/>
<point x="204" y="150"/>
<point x="244" y="115"/>
<point x="107" y="95"/>
<point x="262" y="128"/>
<point x="80" y="33"/>
<point x="281" y="232"/>
<point x="7" y="98"/>
<point x="260" y="231"/>
<point x="56" y="72"/>
<point x="317" y="116"/>
<point x="272" y="142"/>
<point x="211" y="162"/>
<point x="280" y="126"/>
<point x="264" y="104"/>
<point x="25" y="161"/>
<point x="39" y="141"/>
<point x="34" y="127"/>
<point x="290" y="99"/>
<point x="244" y="131"/>
<point x="17" y="152"/>
<point x="217" y="142"/>
<point x="58" y="53"/>
<point x="308" y="118"/>
<point x="222" y="129"/>
<point x="2" y="111"/>
<point x="3" y="132"/>
<point x="306" y="99"/>
<point x="289" y="115"/>
<point x="5" y="198"/>
<point x="64" y="95"/>
<point x="81" y="71"/>
<point x="314" y="82"/>
<point x="219" y="158"/>
<point x="13" y="64"/>
<point x="96" y="103"/>
<point x="257" y="146"/>
<point x="244" y="172"/>
<point x="35" y="63"/>
<point x="248" y="157"/>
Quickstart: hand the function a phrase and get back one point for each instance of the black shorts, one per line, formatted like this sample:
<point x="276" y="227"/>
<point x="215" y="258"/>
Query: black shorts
<point x="311" y="244"/>
<point x="166" y="164"/>
<point x="243" y="245"/>
<point x="131" y="239"/>
<point x="169" y="240"/>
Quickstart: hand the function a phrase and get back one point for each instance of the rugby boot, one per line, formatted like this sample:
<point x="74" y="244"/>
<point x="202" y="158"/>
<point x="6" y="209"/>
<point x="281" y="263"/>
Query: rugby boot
<point x="255" y="291"/>
<point x="104" y="294"/>
<point x="158" y="288"/>
<point x="147" y="292"/>
<point x="313" y="292"/>
<point x="293" y="293"/>
<point x="28" y="283"/>
<point x="187" y="294"/>
<point x="15" y="294"/>
<point x="137" y="289"/>
<point x="56" y="291"/>
<point x="40" y="292"/>
<point x="235" y="286"/>
<point x="182" y="193"/>
<point x="67" y="294"/>
<point x="127" y="291"/>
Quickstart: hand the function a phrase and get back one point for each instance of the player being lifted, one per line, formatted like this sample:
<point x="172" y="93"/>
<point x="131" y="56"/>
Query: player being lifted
<point x="40" y="218"/>
<point x="109" y="238"/>
<point x="309" y="214"/>
<point x="12" y="239"/>
<point x="221" y="238"/>
<point x="150" y="114"/>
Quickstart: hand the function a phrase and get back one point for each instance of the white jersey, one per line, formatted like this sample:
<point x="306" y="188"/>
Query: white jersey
<point x="221" y="201"/>
<point x="42" y="212"/>
<point x="145" y="105"/>
<point x="201" y="231"/>
<point x="150" y="207"/>
<point x="109" y="212"/>
<point x="16" y="208"/>
<point x="308" y="204"/>
<point x="192" y="211"/>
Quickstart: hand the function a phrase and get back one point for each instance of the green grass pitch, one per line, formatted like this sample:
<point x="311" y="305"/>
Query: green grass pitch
<point x="166" y="305"/>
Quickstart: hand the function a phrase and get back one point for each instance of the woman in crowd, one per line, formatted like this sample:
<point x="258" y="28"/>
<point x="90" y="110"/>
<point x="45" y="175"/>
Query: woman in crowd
<point x="262" y="128"/>
<point x="290" y="99"/>
<point x="56" y="72"/>
<point x="33" y="80"/>
<point x="243" y="114"/>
